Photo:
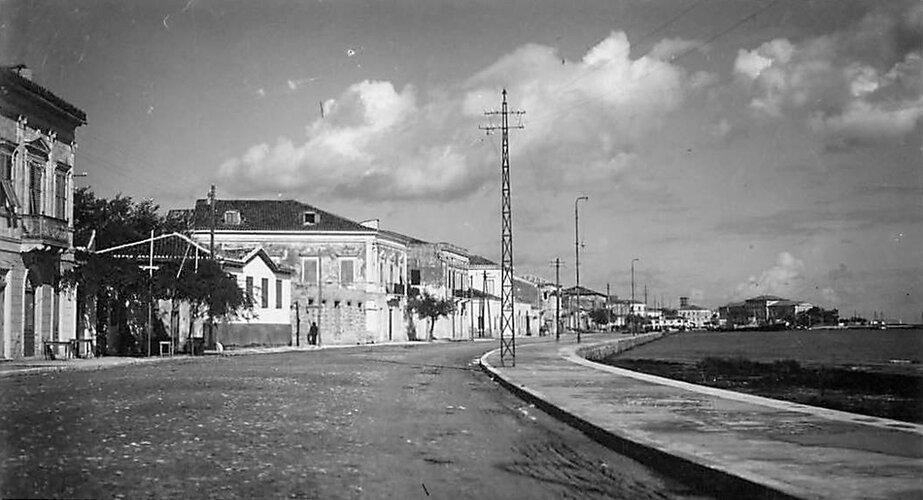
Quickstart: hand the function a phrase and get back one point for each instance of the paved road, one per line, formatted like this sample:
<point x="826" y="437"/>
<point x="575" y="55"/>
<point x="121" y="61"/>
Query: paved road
<point x="384" y="422"/>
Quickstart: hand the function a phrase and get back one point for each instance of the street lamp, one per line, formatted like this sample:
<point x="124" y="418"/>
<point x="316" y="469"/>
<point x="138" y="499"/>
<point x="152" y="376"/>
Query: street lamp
<point x="577" y="258"/>
<point x="631" y="307"/>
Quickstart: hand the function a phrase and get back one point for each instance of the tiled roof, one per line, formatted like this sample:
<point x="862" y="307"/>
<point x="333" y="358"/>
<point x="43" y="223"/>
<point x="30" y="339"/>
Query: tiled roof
<point x="272" y="215"/>
<point x="403" y="238"/>
<point x="11" y="75"/>
<point x="761" y="298"/>
<point x="173" y="246"/>
<point x="583" y="291"/>
<point x="477" y="260"/>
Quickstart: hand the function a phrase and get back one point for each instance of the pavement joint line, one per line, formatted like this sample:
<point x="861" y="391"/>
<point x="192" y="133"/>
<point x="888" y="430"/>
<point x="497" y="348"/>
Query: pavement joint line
<point x="692" y="469"/>
<point x="570" y="353"/>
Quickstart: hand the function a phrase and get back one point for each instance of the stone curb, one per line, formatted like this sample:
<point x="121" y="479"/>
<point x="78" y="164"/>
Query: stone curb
<point x="701" y="476"/>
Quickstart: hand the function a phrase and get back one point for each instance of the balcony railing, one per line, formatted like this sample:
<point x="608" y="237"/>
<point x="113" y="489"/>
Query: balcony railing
<point x="45" y="230"/>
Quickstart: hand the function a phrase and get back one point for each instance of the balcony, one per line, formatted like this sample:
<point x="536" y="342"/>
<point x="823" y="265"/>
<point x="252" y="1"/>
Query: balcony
<point x="41" y="230"/>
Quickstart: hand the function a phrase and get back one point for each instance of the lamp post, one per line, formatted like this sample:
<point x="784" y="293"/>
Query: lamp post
<point x="577" y="258"/>
<point x="631" y="307"/>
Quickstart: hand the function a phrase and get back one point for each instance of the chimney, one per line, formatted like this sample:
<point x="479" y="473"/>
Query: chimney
<point x="683" y="302"/>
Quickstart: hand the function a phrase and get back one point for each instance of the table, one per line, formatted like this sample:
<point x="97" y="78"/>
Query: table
<point x="89" y="350"/>
<point x="50" y="350"/>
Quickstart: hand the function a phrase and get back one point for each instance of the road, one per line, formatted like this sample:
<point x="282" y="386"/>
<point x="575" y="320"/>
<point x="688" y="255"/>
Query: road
<point x="382" y="422"/>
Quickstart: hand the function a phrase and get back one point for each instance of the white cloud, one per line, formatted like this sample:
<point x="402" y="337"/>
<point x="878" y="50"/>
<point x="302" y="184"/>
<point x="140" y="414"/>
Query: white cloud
<point x="853" y="86"/>
<point x="782" y="279"/>
<point x="590" y="116"/>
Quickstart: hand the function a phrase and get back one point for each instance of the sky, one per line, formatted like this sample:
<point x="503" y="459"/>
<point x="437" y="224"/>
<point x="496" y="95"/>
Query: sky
<point x="734" y="147"/>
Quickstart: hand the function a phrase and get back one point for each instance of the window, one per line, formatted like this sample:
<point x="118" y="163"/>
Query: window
<point x="347" y="271"/>
<point x="36" y="169"/>
<point x="250" y="287"/>
<point x="232" y="217"/>
<point x="414" y="276"/>
<point x="309" y="270"/>
<point x="309" y="218"/>
<point x="60" y="193"/>
<point x="278" y="294"/>
<point x="264" y="293"/>
<point x="6" y="162"/>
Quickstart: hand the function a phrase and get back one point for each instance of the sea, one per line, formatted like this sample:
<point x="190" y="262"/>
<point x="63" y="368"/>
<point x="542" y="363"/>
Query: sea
<point x="898" y="350"/>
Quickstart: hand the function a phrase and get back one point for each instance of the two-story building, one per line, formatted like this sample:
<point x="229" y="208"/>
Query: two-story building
<point x="696" y="317"/>
<point x="349" y="277"/>
<point x="37" y="157"/>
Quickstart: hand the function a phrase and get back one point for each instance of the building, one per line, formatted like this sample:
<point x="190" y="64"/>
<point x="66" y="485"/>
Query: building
<point x="37" y="159"/>
<point x="441" y="270"/>
<point x="763" y="310"/>
<point x="269" y="285"/>
<point x="694" y="317"/>
<point x="485" y="282"/>
<point x="589" y="300"/>
<point x="349" y="277"/>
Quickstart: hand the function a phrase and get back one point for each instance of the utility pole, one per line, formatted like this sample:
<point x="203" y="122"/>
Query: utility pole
<point x="211" y="220"/>
<point x="507" y="315"/>
<point x="211" y="250"/>
<point x="631" y="309"/>
<point x="557" y="295"/>
<point x="577" y="258"/>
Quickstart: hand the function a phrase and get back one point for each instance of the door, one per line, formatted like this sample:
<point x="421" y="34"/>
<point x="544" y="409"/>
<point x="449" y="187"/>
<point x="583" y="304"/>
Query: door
<point x="28" y="323"/>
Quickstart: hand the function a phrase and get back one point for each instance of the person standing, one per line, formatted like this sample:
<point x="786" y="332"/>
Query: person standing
<point x="312" y="334"/>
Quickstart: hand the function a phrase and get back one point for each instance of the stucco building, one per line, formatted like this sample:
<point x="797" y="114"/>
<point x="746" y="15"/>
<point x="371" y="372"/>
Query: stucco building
<point x="348" y="277"/>
<point x="37" y="158"/>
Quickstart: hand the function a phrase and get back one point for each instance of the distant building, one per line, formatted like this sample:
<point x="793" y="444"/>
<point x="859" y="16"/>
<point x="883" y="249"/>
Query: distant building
<point x="588" y="301"/>
<point x="695" y="317"/>
<point x="759" y="311"/>
<point x="37" y="160"/>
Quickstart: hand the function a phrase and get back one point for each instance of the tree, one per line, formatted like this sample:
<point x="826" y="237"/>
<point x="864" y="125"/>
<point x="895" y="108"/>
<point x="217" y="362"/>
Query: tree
<point x="428" y="306"/>
<point x="207" y="288"/>
<point x="600" y="316"/>
<point x="122" y="284"/>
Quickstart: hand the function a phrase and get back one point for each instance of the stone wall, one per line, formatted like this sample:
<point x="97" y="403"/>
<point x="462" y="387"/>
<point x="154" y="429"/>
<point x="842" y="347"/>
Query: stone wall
<point x="601" y="351"/>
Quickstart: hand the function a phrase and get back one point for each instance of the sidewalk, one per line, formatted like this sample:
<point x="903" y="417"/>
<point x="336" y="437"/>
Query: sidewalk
<point x="24" y="366"/>
<point x="735" y="445"/>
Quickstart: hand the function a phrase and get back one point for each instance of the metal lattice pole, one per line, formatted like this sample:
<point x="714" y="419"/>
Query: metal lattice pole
<point x="507" y="313"/>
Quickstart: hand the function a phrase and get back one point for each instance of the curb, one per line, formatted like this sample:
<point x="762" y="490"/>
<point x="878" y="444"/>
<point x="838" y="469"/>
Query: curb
<point x="701" y="477"/>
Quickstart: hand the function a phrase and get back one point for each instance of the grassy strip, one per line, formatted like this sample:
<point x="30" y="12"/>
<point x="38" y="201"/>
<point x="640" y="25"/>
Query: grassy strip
<point x="887" y="395"/>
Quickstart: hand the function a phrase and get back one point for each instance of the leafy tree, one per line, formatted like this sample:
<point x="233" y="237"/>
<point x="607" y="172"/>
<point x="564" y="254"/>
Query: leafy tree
<point x="122" y="283"/>
<point x="600" y="316"/>
<point x="207" y="288"/>
<point x="428" y="306"/>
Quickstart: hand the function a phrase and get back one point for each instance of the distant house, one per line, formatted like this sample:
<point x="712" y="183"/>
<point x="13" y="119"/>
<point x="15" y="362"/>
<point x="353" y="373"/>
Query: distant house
<point x="588" y="301"/>
<point x="695" y="317"/>
<point x="349" y="277"/>
<point x="761" y="311"/>
<point x="485" y="281"/>
<point x="37" y="161"/>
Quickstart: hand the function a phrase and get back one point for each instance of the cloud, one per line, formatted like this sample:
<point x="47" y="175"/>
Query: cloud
<point x="857" y="86"/>
<point x="587" y="120"/>
<point x="782" y="279"/>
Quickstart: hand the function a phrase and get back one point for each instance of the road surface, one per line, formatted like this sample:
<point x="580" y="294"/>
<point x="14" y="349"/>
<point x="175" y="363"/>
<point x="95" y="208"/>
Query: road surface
<point x="383" y="422"/>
